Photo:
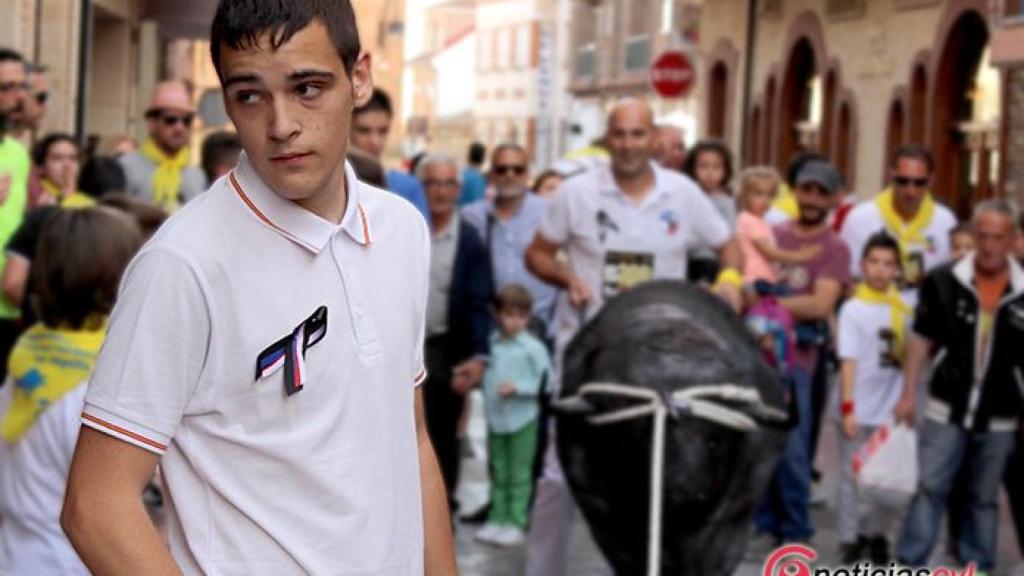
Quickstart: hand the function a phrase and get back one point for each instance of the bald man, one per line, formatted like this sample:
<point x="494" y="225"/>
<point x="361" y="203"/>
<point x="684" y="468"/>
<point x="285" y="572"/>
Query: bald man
<point x="669" y="147"/>
<point x="621" y="224"/>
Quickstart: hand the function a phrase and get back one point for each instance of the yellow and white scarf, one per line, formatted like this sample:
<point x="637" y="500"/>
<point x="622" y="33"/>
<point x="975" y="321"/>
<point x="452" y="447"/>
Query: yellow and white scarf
<point x="73" y="200"/>
<point x="898" y="312"/>
<point x="908" y="234"/>
<point x="44" y="365"/>
<point x="167" y="176"/>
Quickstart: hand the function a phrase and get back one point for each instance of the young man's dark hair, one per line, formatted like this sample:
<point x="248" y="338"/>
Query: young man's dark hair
<point x="82" y="254"/>
<point x="367" y="168"/>
<point x="477" y="153"/>
<point x="239" y="25"/>
<point x="149" y="217"/>
<point x="379" y="101"/>
<point x="42" y="148"/>
<point x="883" y="241"/>
<point x="914" y="152"/>
<point x="219" y="149"/>
<point x="102" y="175"/>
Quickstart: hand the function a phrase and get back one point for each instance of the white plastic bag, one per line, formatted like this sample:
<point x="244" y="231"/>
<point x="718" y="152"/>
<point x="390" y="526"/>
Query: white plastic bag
<point x="888" y="460"/>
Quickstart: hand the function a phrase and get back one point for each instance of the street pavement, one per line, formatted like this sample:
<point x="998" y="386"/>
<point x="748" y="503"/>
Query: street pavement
<point x="477" y="559"/>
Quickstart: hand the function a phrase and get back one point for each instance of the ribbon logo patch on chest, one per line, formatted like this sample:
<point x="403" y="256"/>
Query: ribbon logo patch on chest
<point x="290" y="352"/>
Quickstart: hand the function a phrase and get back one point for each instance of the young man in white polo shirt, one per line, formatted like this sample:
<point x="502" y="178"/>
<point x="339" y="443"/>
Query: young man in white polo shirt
<point x="267" y="346"/>
<point x="909" y="213"/>
<point x="620" y="225"/>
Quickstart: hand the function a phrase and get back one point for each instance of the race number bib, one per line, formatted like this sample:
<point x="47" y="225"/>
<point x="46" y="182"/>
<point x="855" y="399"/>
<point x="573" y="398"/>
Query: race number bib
<point x="624" y="270"/>
<point x="913" y="270"/>
<point x="889" y="358"/>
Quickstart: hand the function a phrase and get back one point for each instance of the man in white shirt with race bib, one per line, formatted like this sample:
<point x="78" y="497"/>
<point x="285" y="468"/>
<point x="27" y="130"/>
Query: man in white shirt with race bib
<point x="620" y="225"/>
<point x="909" y="213"/>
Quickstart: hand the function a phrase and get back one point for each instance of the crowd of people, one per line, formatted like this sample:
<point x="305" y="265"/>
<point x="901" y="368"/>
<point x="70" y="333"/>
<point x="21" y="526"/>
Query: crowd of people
<point x="889" y="306"/>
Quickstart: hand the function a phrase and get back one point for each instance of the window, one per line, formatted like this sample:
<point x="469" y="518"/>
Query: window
<point x="668" y="14"/>
<point x="504" y="48"/>
<point x="638" y="54"/>
<point x="524" y="45"/>
<point x="586" y="61"/>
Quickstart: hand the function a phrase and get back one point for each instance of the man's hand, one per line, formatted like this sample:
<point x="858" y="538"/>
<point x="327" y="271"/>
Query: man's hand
<point x="579" y="293"/>
<point x="730" y="294"/>
<point x="906" y="409"/>
<point x="467" y="375"/>
<point x="507" y="390"/>
<point x="851" y="427"/>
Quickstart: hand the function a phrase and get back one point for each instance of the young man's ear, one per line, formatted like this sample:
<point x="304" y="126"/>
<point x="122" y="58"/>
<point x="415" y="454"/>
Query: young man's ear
<point x="362" y="80"/>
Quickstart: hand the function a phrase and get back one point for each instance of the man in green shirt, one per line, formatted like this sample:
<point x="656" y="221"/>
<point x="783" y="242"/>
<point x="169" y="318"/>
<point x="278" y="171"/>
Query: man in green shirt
<point x="14" y="173"/>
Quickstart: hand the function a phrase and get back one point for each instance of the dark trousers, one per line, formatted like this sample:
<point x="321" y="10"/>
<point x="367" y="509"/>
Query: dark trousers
<point x="443" y="408"/>
<point x="9" y="332"/>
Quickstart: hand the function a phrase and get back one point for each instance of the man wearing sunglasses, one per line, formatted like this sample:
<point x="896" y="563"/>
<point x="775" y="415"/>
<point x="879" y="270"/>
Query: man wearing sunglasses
<point x="15" y="167"/>
<point x="908" y="212"/>
<point x="159" y="172"/>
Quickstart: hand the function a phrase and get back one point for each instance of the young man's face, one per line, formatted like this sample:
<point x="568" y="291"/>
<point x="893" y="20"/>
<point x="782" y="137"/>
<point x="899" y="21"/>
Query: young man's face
<point x="880" y="268"/>
<point x="292" y="108"/>
<point x="370" y="132"/>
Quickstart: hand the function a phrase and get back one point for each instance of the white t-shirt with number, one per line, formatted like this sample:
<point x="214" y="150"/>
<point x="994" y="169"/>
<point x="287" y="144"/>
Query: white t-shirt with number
<point x="866" y="220"/>
<point x="865" y="336"/>
<point x="613" y="243"/>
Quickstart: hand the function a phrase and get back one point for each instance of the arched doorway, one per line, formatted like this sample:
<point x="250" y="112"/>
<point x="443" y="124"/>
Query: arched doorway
<point x="894" y="134"/>
<point x="767" y="142"/>
<point x="718" y="83"/>
<point x="845" y="144"/>
<point x="826" y="118"/>
<point x="918" y="104"/>
<point x="753" y="137"/>
<point x="965" y="116"/>
<point x="800" y="104"/>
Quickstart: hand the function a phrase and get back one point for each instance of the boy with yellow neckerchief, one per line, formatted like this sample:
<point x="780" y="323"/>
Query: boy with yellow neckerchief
<point x="41" y="405"/>
<point x="909" y="213"/>
<point x="871" y="346"/>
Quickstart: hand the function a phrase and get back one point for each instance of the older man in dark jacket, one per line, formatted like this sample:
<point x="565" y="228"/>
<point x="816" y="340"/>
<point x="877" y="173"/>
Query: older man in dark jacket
<point x="458" y="313"/>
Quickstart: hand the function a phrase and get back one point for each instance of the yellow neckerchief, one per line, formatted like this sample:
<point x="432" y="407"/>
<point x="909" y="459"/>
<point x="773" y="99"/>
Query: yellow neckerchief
<point x="785" y="202"/>
<point x="167" y="176"/>
<point x="907" y="233"/>
<point x="45" y="364"/>
<point x="73" y="200"/>
<point x="898" y="311"/>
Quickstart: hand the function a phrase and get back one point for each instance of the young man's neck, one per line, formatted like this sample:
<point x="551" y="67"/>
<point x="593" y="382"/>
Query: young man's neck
<point x="330" y="202"/>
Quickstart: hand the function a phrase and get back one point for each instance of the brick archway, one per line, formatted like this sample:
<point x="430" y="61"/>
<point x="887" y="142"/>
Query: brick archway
<point x="805" y="56"/>
<point x="721" y="75"/>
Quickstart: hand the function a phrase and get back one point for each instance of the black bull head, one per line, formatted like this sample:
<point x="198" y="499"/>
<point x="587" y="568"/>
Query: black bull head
<point x="670" y="338"/>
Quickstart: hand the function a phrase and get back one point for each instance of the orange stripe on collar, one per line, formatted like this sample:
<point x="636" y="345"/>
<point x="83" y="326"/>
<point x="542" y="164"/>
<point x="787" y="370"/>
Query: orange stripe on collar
<point x="259" y="214"/>
<point x="366" y="225"/>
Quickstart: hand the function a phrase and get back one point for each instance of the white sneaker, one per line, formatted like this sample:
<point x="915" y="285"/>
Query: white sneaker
<point x="488" y="533"/>
<point x="510" y="536"/>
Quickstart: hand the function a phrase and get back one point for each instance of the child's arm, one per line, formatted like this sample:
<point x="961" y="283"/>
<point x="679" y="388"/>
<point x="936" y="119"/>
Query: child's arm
<point x="774" y="254"/>
<point x="848" y="375"/>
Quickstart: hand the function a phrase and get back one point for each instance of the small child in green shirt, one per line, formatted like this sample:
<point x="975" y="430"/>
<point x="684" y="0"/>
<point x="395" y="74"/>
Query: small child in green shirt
<point x="519" y="363"/>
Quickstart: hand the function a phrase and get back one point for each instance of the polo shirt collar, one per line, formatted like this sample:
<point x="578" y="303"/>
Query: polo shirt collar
<point x="606" y="184"/>
<point x="963" y="271"/>
<point x="294" y="222"/>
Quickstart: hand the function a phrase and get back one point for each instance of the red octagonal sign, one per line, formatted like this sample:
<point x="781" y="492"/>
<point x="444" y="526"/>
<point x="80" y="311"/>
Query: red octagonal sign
<point x="672" y="75"/>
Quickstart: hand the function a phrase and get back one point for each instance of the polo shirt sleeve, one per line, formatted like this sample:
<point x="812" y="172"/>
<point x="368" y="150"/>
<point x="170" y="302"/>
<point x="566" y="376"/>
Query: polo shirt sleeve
<point x="556" y="224"/>
<point x="153" y="355"/>
<point x="709" y="227"/>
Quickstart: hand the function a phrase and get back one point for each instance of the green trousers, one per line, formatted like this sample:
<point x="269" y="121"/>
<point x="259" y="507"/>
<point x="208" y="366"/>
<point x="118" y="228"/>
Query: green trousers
<point x="511" y="475"/>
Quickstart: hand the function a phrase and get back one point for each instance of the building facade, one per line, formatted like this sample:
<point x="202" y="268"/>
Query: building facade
<point x="854" y="79"/>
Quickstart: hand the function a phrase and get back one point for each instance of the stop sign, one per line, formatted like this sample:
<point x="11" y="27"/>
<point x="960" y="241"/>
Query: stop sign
<point x="672" y="74"/>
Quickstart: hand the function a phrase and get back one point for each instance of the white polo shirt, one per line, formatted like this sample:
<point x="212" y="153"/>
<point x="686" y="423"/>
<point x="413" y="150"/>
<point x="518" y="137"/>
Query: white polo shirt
<point x="865" y="221"/>
<point x="613" y="243"/>
<point x="323" y="481"/>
